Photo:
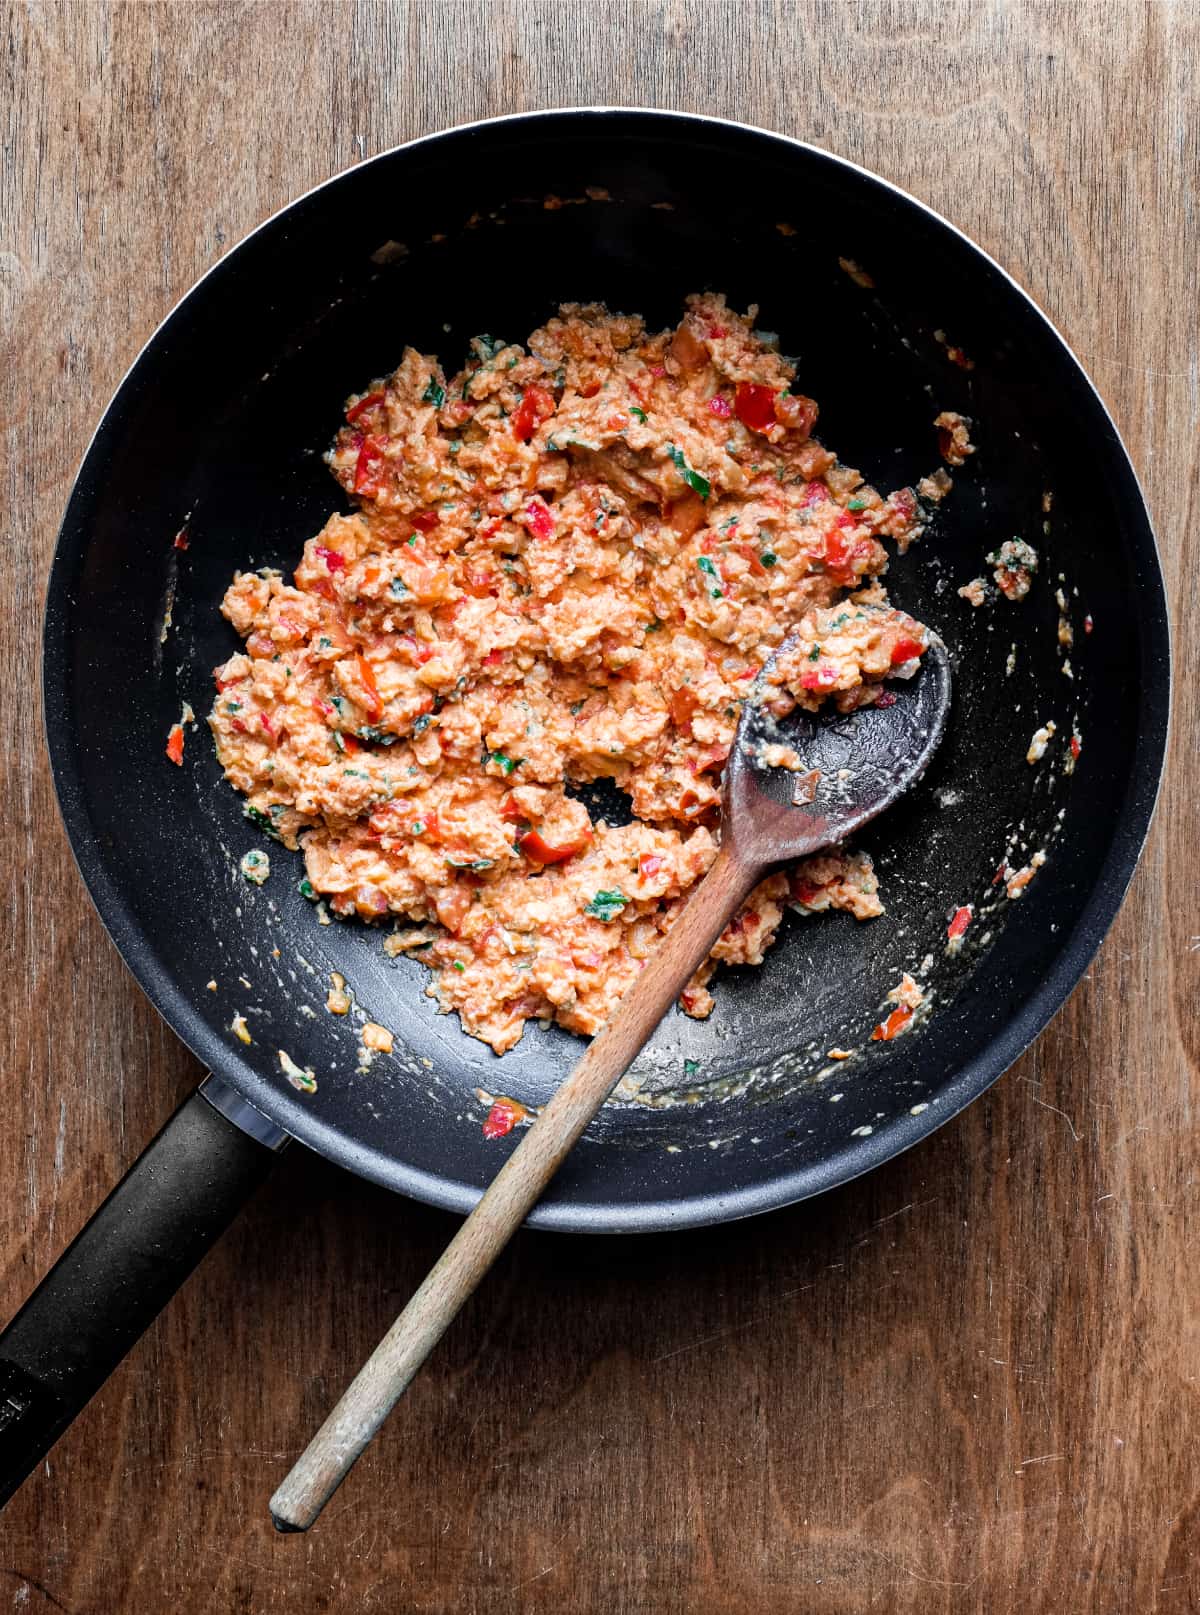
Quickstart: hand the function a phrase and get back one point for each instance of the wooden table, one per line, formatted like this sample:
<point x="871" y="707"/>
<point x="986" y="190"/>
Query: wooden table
<point x="967" y="1383"/>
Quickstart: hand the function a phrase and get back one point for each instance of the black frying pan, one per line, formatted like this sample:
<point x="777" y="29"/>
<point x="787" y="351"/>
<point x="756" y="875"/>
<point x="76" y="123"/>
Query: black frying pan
<point x="220" y="427"/>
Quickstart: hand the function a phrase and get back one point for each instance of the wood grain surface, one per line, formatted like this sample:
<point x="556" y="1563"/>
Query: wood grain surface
<point x="967" y="1383"/>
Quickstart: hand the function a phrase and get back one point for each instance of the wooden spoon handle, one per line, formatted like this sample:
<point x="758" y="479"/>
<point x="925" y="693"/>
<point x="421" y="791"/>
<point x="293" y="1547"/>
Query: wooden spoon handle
<point x="515" y="1189"/>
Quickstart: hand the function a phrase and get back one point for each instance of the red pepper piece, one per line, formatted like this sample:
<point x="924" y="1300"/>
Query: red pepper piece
<point x="895" y="1023"/>
<point x="536" y="406"/>
<point x="962" y="918"/>
<point x="175" y="744"/>
<point x="425" y="520"/>
<point x="649" y="865"/>
<point x="502" y="1118"/>
<point x="539" y="851"/>
<point x="541" y="522"/>
<point x="181" y="539"/>
<point x="368" y="401"/>
<point x="683" y="705"/>
<point x="369" y="467"/>
<point x="905" y="650"/>
<point x="334" y="560"/>
<point x="803" y="891"/>
<point x="366" y="677"/>
<point x="754" y="406"/>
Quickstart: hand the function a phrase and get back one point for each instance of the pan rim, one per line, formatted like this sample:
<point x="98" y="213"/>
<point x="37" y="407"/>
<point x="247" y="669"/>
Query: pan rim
<point x="697" y="1210"/>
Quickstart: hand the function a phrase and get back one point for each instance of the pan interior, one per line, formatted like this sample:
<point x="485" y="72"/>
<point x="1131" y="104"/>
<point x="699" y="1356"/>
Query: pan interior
<point x="221" y="428"/>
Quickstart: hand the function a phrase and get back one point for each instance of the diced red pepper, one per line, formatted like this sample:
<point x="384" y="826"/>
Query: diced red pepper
<point x="905" y="650"/>
<point x="962" y="918"/>
<point x="754" y="406"/>
<point x="541" y="522"/>
<point x="838" y="550"/>
<point x="366" y="402"/>
<point x="750" y="555"/>
<point x="175" y="744"/>
<point x="334" y="560"/>
<point x="493" y="657"/>
<point x="814" y="493"/>
<point x="511" y="811"/>
<point x="266" y="723"/>
<point x="366" y="677"/>
<point x="716" y="332"/>
<point x="895" y="1023"/>
<point x="720" y="406"/>
<point x="478" y="582"/>
<point x="649" y="865"/>
<point x="821" y="677"/>
<point x="536" y="406"/>
<point x="683" y="703"/>
<point x="502" y="1118"/>
<point x="181" y="539"/>
<point x="539" y="851"/>
<point x="348" y="741"/>
<point x="369" y="467"/>
<point x="1076" y="748"/>
<point x="803" y="891"/>
<point x="425" y="520"/>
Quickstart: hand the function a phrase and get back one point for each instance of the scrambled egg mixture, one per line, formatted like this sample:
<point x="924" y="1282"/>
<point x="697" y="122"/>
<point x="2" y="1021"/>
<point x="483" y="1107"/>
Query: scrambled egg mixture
<point x="567" y="562"/>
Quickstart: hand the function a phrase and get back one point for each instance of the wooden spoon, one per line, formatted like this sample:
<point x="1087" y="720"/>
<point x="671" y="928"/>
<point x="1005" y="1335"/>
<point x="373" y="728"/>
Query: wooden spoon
<point x="771" y="816"/>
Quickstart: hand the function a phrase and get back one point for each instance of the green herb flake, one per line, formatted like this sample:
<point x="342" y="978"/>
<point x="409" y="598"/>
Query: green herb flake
<point x="458" y="964"/>
<point x="418" y="827"/>
<point x="638" y="415"/>
<point x="324" y="643"/>
<point x="260" y="820"/>
<point x="694" y="480"/>
<point x="856" y="504"/>
<point x="338" y="741"/>
<point x="422" y="723"/>
<point x="377" y="737"/>
<point x="706" y="566"/>
<point x="434" y="394"/>
<point x="606" y="905"/>
<point x="398" y="588"/>
<point x="691" y="1068"/>
<point x="814" y="655"/>
<point x="233" y="706"/>
<point x="504" y="763"/>
<point x="578" y="706"/>
<point x="768" y="558"/>
<point x="305" y="888"/>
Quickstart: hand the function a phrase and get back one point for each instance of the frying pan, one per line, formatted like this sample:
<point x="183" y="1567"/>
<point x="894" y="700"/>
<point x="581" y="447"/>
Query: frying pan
<point x="218" y="431"/>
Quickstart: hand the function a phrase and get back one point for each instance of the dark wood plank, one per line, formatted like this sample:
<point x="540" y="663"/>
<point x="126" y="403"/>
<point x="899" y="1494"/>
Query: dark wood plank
<point x="965" y="1384"/>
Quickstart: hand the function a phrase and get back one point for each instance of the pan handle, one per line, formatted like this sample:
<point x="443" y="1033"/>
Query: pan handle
<point x="104" y="1291"/>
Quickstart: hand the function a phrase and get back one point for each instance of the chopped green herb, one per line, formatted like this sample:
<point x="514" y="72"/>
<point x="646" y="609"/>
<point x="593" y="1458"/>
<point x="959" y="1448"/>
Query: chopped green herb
<point x="434" y="394"/>
<point x="305" y="888"/>
<point x="691" y="1068"/>
<point x="260" y="820"/>
<point x="706" y="566"/>
<point x="233" y="706"/>
<point x="578" y="706"/>
<point x="422" y="723"/>
<point x="418" y="827"/>
<point x="606" y="905"/>
<point x="768" y="558"/>
<point x="338" y="702"/>
<point x="653" y="627"/>
<point x="356" y="773"/>
<point x="504" y="763"/>
<point x="694" y="480"/>
<point x="856" y="504"/>
<point x="470" y="863"/>
<point x="338" y="741"/>
<point x="324" y="643"/>
<point x="638" y="415"/>
<point x="378" y="737"/>
<point x="458" y="964"/>
<point x="412" y="541"/>
<point x="397" y="588"/>
<point x="814" y="655"/>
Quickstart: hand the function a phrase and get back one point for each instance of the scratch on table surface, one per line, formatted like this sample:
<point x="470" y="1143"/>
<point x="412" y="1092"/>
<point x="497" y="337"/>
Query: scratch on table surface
<point x="1045" y="1458"/>
<point x="913" y="1205"/>
<point x="734" y="1329"/>
<point x="1054" y="1108"/>
<point x="553" y="1565"/>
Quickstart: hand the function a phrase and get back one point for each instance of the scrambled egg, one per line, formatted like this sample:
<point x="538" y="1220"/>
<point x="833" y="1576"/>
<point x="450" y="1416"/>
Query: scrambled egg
<point x="567" y="562"/>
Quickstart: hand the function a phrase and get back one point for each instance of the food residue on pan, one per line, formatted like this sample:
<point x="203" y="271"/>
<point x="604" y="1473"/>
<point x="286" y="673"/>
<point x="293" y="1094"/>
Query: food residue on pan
<point x="239" y="1028"/>
<point x="299" y="1076"/>
<point x="957" y="927"/>
<point x="1041" y="739"/>
<point x="337" y="1000"/>
<point x="568" y="563"/>
<point x="975" y="592"/>
<point x="377" y="1038"/>
<point x="1015" y="562"/>
<point x="503" y="1113"/>
<point x="256" y="866"/>
<point x="954" y="437"/>
<point x="1016" y="884"/>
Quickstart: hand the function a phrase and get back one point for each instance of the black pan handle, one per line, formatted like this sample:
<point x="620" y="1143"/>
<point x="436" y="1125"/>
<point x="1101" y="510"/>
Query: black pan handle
<point x="176" y="1200"/>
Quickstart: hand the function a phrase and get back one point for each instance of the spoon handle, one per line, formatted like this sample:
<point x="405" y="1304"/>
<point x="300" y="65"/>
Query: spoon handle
<point x="513" y="1192"/>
